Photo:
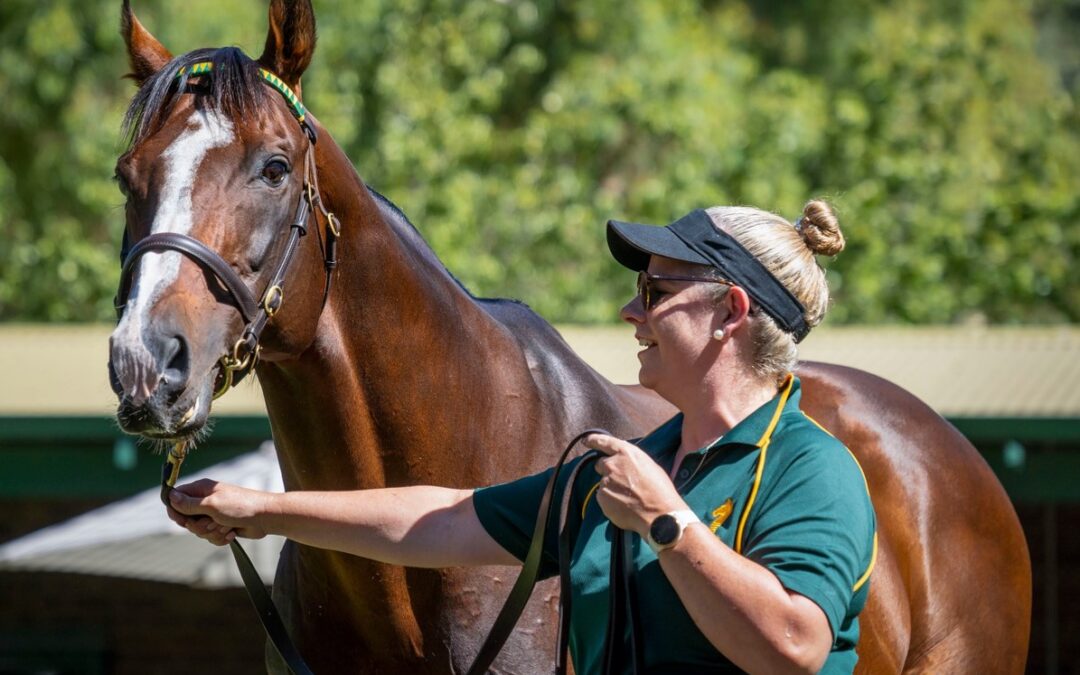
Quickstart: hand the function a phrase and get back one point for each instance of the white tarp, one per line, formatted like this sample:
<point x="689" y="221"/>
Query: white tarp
<point x="134" y="537"/>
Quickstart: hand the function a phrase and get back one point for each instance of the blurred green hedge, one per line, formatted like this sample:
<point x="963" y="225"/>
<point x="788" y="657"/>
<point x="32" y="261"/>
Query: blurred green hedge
<point x="510" y="131"/>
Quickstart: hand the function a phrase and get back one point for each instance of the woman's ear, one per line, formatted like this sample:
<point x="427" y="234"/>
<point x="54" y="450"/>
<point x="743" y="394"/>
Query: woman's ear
<point x="737" y="303"/>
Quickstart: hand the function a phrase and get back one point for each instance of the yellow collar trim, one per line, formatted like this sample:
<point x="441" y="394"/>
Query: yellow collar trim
<point x="763" y="443"/>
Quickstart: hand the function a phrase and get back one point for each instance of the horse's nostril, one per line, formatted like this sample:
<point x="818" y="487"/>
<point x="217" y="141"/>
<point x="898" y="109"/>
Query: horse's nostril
<point x="176" y="360"/>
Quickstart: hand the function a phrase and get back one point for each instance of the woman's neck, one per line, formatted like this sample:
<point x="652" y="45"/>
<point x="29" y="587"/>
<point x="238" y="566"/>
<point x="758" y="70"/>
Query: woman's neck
<point x="726" y="398"/>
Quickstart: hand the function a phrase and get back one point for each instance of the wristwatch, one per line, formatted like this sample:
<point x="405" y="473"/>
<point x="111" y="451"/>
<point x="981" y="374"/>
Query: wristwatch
<point x="667" y="529"/>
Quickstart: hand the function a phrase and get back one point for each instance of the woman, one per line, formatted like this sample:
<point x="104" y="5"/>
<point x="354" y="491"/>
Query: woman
<point x="755" y="533"/>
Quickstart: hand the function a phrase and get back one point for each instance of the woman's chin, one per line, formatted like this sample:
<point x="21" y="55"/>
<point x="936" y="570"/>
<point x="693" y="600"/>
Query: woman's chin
<point x="647" y="377"/>
<point x="649" y="367"/>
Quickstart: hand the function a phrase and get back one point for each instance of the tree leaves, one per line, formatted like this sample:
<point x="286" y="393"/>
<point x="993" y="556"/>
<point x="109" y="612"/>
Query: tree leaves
<point x="509" y="132"/>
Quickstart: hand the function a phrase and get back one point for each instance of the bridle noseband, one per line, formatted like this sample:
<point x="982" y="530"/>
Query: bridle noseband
<point x="236" y="364"/>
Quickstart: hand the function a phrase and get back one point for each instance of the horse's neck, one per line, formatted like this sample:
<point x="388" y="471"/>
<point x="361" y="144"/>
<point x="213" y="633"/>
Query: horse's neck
<point x="401" y="356"/>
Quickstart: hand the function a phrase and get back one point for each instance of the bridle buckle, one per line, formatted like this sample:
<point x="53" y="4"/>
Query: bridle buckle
<point x="275" y="297"/>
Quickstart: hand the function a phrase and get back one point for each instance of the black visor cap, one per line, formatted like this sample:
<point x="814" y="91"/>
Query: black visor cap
<point x="632" y="244"/>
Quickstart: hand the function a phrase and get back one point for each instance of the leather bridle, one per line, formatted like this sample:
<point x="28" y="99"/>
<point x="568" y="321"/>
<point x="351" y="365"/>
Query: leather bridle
<point x="241" y="359"/>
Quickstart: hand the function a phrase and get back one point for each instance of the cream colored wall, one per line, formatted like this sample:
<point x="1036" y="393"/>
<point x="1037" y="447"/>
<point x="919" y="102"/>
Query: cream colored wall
<point x="960" y="371"/>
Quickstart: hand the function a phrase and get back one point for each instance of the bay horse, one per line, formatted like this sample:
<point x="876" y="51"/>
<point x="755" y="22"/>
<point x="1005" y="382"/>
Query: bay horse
<point x="394" y="374"/>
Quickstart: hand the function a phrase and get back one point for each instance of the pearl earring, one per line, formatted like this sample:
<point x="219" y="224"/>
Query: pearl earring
<point x="718" y="334"/>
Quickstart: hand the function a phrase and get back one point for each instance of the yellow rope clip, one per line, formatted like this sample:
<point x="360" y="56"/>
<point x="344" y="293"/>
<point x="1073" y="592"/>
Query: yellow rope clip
<point x="176" y="457"/>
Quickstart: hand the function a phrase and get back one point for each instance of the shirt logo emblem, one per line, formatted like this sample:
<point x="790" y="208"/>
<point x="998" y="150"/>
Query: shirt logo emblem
<point x="720" y="514"/>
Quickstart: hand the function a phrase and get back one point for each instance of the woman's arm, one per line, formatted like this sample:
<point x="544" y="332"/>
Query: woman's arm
<point x="740" y="606"/>
<point x="417" y="526"/>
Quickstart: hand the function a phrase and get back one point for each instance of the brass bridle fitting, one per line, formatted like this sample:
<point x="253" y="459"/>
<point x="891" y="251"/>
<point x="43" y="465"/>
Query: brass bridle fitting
<point x="275" y="297"/>
<point x="244" y="356"/>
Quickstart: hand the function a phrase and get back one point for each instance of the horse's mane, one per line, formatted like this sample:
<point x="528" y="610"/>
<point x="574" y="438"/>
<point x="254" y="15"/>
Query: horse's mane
<point x="405" y="228"/>
<point x="235" y="89"/>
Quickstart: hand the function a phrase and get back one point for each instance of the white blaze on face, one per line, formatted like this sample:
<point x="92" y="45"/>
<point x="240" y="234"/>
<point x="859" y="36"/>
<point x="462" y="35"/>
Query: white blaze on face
<point x="204" y="131"/>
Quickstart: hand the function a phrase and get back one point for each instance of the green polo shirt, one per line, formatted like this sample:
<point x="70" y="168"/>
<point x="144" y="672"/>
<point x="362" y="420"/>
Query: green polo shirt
<point x="777" y="488"/>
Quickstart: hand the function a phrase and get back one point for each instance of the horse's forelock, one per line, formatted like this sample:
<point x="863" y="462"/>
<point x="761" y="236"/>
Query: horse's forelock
<point x="234" y="88"/>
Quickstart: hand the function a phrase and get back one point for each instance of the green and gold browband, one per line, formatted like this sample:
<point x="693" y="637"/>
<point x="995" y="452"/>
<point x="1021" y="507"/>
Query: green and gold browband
<point x="297" y="108"/>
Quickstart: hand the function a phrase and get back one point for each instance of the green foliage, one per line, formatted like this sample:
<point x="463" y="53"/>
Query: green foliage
<point x="945" y="133"/>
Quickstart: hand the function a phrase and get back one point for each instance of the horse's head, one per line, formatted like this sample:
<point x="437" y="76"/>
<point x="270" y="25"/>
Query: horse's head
<point x="214" y="179"/>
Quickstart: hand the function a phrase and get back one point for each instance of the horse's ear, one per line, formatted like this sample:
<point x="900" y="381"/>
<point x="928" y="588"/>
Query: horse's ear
<point x="290" y="42"/>
<point x="146" y="54"/>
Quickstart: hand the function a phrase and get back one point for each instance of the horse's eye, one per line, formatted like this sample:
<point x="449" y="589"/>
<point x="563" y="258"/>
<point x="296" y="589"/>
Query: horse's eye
<point x="275" y="172"/>
<point x="122" y="185"/>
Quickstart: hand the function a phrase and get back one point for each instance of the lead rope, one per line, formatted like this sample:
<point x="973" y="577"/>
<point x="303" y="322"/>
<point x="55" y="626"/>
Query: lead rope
<point x="530" y="570"/>
<point x="566" y="545"/>
<point x="260" y="598"/>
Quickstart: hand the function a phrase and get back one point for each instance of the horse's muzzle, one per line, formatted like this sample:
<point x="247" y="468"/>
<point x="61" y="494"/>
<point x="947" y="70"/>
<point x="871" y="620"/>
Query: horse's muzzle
<point x="151" y="378"/>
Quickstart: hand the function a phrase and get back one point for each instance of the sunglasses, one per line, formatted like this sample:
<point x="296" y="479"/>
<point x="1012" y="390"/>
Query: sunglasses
<point x="649" y="295"/>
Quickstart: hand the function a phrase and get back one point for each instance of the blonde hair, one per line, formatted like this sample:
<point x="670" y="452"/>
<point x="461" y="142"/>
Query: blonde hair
<point x="788" y="252"/>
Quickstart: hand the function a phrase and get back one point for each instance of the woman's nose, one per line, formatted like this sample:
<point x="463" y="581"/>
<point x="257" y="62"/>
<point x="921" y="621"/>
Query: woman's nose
<point x="633" y="311"/>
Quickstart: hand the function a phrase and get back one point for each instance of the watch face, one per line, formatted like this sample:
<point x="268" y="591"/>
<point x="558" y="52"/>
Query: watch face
<point x="664" y="530"/>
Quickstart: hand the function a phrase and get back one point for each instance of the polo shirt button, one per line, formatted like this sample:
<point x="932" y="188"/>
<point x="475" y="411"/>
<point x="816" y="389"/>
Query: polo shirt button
<point x="684" y="473"/>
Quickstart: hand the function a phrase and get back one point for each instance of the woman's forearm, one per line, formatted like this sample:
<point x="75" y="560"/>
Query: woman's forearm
<point x="418" y="526"/>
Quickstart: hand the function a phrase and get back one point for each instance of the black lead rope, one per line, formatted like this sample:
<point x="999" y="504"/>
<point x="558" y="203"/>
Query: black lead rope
<point x="260" y="598"/>
<point x="620" y="657"/>
<point x="530" y="570"/>
<point x="268" y="613"/>
<point x="567" y="535"/>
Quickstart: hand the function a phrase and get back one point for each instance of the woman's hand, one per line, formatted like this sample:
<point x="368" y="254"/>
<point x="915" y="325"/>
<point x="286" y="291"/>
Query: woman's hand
<point x="634" y="489"/>
<point x="218" y="512"/>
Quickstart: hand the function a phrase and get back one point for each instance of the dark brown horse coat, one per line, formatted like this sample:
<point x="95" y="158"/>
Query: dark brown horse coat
<point x="405" y="378"/>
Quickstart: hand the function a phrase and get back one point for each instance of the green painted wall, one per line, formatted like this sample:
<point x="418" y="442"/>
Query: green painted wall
<point x="1036" y="460"/>
<point x="81" y="457"/>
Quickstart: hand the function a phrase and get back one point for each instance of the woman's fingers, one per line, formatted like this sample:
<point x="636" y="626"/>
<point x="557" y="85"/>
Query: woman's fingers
<point x="177" y="517"/>
<point x="199" y="488"/>
<point x="205" y="528"/>
<point x="609" y="445"/>
<point x="182" y="503"/>
<point x="633" y="487"/>
<point x="613" y="448"/>
<point x="208" y="510"/>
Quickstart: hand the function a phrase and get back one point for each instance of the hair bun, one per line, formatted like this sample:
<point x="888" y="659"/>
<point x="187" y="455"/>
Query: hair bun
<point x="820" y="229"/>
